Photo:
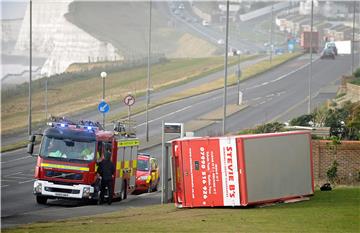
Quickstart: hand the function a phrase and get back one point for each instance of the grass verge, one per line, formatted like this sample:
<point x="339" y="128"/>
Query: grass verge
<point x="335" y="211"/>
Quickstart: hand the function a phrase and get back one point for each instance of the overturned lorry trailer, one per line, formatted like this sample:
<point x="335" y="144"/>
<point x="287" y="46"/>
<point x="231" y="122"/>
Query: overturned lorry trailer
<point x="242" y="170"/>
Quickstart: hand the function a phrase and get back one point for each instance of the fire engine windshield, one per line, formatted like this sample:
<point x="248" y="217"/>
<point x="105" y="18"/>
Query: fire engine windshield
<point x="67" y="149"/>
<point x="143" y="165"/>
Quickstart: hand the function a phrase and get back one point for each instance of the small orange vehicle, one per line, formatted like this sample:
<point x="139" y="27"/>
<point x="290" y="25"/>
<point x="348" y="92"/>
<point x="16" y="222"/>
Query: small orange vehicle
<point x="147" y="174"/>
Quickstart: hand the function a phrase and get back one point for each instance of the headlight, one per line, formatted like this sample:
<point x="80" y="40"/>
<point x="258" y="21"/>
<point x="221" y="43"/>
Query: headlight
<point x="143" y="177"/>
<point x="37" y="187"/>
<point x="147" y="178"/>
<point x="86" y="192"/>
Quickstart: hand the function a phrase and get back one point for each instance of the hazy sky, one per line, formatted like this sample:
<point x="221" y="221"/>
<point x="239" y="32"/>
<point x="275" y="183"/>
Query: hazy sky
<point x="13" y="9"/>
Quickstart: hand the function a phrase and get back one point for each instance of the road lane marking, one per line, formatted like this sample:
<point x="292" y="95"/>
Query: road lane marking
<point x="26" y="181"/>
<point x="16" y="173"/>
<point x="263" y="102"/>
<point x="257" y="98"/>
<point x="179" y="110"/>
<point x="14" y="160"/>
<point x="166" y="115"/>
<point x="21" y="177"/>
<point x="2" y="180"/>
<point x="3" y="186"/>
<point x="282" y="76"/>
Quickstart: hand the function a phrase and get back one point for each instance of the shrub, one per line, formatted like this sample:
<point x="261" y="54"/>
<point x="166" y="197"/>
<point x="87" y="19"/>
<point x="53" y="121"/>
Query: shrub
<point x="302" y="120"/>
<point x="357" y="73"/>
<point x="332" y="172"/>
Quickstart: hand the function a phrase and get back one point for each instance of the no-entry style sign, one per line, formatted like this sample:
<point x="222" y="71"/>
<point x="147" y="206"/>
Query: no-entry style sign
<point x="129" y="100"/>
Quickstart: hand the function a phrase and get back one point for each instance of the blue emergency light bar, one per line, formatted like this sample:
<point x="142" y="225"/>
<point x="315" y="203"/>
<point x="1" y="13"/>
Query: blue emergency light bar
<point x="63" y="123"/>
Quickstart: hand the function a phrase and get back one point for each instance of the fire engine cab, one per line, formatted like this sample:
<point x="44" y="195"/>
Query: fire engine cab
<point x="67" y="161"/>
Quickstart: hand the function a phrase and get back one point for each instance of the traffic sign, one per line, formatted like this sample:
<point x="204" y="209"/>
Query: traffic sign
<point x="129" y="100"/>
<point x="103" y="107"/>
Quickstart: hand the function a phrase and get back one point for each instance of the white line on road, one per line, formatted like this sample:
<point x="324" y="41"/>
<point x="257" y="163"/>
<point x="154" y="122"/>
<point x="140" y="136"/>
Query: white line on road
<point x="282" y="76"/>
<point x="257" y="98"/>
<point x="166" y="115"/>
<point x="21" y="177"/>
<point x="26" y="181"/>
<point x="26" y="157"/>
<point x="3" y="186"/>
<point x="264" y="102"/>
<point x="16" y="173"/>
<point x="2" y="180"/>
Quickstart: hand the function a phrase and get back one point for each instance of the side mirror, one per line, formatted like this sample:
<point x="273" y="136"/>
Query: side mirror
<point x="30" y="148"/>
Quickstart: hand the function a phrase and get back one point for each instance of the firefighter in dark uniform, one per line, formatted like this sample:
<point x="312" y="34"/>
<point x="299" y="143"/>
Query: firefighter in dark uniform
<point x="106" y="170"/>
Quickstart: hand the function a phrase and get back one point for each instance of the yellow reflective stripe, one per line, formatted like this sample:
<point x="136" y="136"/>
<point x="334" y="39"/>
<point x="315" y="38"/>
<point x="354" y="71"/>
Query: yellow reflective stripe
<point x="61" y="166"/>
<point x="134" y="164"/>
<point x="134" y="142"/>
<point x="126" y="164"/>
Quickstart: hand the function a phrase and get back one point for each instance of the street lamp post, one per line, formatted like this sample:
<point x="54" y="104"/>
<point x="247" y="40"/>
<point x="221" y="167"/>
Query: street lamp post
<point x="226" y="61"/>
<point x="311" y="45"/>
<point x="148" y="78"/>
<point x="46" y="98"/>
<point x="103" y="76"/>
<point x="271" y="33"/>
<point x="353" y="41"/>
<point x="30" y="69"/>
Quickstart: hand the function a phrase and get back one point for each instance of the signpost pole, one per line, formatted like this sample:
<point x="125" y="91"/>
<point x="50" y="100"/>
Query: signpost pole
<point x="103" y="76"/>
<point x="162" y="162"/>
<point x="129" y="113"/>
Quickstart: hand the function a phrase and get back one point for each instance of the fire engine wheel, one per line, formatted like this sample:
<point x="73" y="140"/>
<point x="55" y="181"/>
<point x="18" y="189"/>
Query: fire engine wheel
<point x="41" y="200"/>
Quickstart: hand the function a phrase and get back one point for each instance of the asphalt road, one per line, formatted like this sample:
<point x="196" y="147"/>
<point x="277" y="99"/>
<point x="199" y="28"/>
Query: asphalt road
<point x="211" y="32"/>
<point x="277" y="94"/>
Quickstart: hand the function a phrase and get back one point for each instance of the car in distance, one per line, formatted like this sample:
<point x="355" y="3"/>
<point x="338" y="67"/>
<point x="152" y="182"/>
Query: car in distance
<point x="220" y="42"/>
<point x="332" y="46"/>
<point x="147" y="174"/>
<point x="205" y="23"/>
<point x="328" y="53"/>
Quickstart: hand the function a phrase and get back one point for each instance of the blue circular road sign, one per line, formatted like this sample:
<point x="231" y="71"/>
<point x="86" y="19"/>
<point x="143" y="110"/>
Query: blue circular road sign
<point x="103" y="107"/>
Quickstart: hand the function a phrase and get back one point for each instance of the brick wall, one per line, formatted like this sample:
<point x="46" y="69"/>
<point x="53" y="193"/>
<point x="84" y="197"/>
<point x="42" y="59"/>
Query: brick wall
<point x="347" y="154"/>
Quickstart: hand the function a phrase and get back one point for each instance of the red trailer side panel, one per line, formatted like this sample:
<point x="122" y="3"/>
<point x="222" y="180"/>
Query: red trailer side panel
<point x="210" y="173"/>
<point x="242" y="170"/>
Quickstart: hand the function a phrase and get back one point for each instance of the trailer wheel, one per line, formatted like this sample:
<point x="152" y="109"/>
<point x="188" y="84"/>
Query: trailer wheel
<point x="41" y="200"/>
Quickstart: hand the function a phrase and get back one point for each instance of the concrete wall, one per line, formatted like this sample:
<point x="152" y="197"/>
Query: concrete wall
<point x="347" y="154"/>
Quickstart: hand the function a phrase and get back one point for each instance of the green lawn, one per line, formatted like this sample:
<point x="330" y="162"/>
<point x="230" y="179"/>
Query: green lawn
<point x="335" y="211"/>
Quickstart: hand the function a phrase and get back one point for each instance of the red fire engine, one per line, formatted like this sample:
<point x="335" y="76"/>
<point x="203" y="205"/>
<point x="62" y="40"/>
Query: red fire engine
<point x="67" y="161"/>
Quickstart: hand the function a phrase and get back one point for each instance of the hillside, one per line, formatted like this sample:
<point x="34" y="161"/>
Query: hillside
<point x="126" y="24"/>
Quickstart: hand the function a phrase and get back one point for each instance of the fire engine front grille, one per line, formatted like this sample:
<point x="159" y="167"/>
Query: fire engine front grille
<point x="59" y="190"/>
<point x="64" y="175"/>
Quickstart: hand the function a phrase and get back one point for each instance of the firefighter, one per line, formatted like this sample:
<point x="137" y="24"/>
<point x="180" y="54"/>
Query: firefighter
<point x="106" y="170"/>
